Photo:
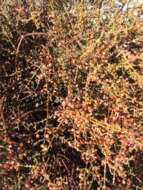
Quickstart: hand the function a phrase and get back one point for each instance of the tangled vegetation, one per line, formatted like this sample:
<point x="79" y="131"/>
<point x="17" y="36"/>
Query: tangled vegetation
<point x="71" y="96"/>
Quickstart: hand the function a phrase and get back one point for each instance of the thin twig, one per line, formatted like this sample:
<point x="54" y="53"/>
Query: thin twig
<point x="25" y="36"/>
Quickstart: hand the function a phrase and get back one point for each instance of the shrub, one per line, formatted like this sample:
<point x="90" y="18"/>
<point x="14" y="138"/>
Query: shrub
<point x="70" y="96"/>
